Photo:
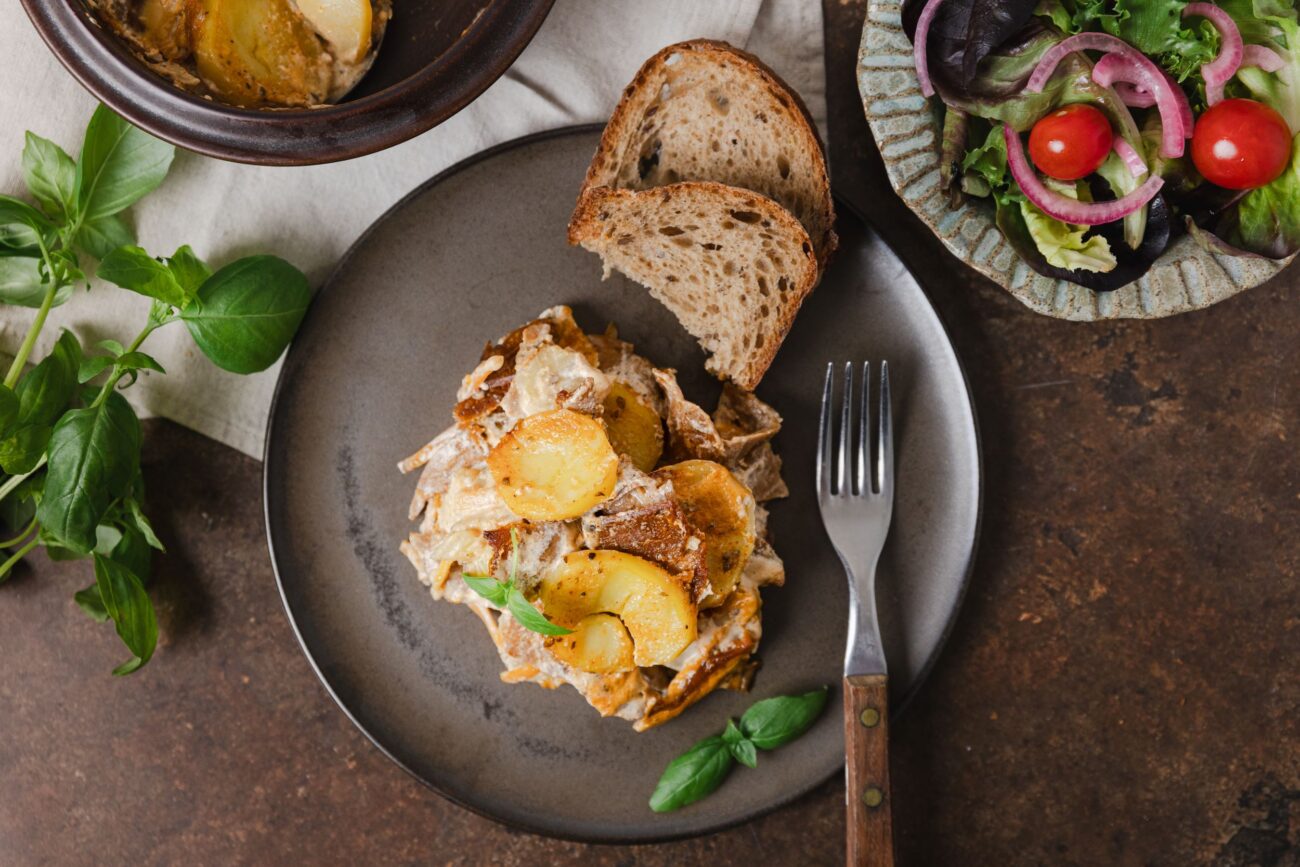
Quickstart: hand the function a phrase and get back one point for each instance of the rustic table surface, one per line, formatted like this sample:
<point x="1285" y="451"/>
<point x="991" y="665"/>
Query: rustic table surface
<point x="1122" y="687"/>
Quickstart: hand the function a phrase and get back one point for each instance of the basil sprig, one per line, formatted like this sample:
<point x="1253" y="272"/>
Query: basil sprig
<point x="506" y="595"/>
<point x="69" y="442"/>
<point x="765" y="726"/>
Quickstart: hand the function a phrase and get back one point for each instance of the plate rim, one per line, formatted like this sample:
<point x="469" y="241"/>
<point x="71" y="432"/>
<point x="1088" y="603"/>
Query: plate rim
<point x="923" y="672"/>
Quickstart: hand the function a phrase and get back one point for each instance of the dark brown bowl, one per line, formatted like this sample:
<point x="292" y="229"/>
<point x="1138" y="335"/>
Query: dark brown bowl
<point x="436" y="58"/>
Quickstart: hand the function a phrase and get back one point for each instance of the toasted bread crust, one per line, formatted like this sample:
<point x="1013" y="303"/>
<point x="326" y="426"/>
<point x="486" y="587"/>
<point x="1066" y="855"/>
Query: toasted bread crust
<point x="638" y="96"/>
<point x="597" y="206"/>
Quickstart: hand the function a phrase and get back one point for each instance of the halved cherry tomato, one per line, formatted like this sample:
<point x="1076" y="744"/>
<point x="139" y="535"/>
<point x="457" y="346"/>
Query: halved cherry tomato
<point x="1071" y="142"/>
<point x="1241" y="144"/>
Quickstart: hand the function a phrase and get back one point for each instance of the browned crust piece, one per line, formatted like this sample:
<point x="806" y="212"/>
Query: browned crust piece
<point x="594" y="209"/>
<point x="643" y="90"/>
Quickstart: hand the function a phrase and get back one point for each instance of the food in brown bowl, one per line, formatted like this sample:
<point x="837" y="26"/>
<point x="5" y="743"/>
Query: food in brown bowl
<point x="286" y="82"/>
<point x="253" y="53"/>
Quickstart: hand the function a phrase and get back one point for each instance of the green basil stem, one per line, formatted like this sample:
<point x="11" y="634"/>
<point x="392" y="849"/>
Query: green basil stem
<point x="16" y="369"/>
<point x="14" y="481"/>
<point x="118" y="371"/>
<point x="22" y="552"/>
<point x="23" y="535"/>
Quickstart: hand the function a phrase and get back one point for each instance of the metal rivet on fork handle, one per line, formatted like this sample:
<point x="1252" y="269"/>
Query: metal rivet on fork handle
<point x="873" y="797"/>
<point x="870" y="717"/>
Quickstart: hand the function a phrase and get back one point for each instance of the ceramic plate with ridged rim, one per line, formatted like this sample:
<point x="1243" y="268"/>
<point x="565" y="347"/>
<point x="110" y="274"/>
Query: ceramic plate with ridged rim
<point x="908" y="128"/>
<point x="372" y="375"/>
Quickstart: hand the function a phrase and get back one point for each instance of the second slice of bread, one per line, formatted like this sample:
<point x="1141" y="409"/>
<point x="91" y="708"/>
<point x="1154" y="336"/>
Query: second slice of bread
<point x="731" y="264"/>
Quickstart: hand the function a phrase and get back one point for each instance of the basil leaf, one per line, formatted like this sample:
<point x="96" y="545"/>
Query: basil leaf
<point x="16" y="212"/>
<point x="50" y="175"/>
<point x="128" y="604"/>
<point x="93" y="366"/>
<point x="692" y="775"/>
<point x="118" y="165"/>
<point x="23" y="285"/>
<point x="489" y="588"/>
<point x="8" y="407"/>
<point x="91" y="603"/>
<point x="133" y="552"/>
<point x="44" y="392"/>
<point x="742" y="748"/>
<point x="93" y="457"/>
<point x="776" y="721"/>
<point x="19" y="508"/>
<point x="58" y="553"/>
<point x="189" y="270"/>
<point x="529" y="617"/>
<point x="103" y="236"/>
<point x="139" y="361"/>
<point x="134" y="269"/>
<point x="21" y="449"/>
<point x="246" y="313"/>
<point x="137" y="519"/>
<point x="20" y="281"/>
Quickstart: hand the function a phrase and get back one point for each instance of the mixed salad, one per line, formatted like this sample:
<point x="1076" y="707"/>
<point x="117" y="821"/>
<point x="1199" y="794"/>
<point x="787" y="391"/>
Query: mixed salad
<point x="1104" y="129"/>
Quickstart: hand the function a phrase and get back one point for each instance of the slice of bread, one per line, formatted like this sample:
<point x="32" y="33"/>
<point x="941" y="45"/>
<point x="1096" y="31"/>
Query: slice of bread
<point x="704" y="111"/>
<point x="731" y="264"/>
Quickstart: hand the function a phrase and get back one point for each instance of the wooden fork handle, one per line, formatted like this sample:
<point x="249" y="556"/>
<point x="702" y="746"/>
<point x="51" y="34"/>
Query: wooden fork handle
<point x="870" y="833"/>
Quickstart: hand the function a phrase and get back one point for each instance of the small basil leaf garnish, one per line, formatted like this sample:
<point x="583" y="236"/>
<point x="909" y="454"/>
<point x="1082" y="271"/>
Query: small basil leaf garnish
<point x="692" y="775"/>
<point x="776" y="721"/>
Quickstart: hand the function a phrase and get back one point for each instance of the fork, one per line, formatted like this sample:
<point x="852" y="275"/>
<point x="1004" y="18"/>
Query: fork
<point x="856" y="507"/>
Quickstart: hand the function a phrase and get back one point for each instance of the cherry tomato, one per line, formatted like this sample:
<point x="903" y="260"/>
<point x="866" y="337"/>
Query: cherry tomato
<point x="1241" y="144"/>
<point x="1071" y="142"/>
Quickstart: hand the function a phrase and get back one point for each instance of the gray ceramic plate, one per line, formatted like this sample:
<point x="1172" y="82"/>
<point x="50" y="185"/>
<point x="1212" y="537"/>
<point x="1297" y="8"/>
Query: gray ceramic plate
<point x="373" y="375"/>
<point x="908" y="128"/>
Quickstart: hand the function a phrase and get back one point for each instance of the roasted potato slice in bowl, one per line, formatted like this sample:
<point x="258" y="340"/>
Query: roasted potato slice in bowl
<point x="654" y="605"/>
<point x="255" y="52"/>
<point x="722" y="510"/>
<point x="634" y="429"/>
<point x="554" y="465"/>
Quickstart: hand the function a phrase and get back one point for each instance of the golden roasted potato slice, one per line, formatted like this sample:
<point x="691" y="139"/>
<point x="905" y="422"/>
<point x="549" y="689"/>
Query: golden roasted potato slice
<point x="599" y="643"/>
<point x="166" y="26"/>
<point x="654" y="606"/>
<point x="345" y="24"/>
<point x="255" y="52"/>
<point x="554" y="465"/>
<point x="722" y="510"/>
<point x="634" y="428"/>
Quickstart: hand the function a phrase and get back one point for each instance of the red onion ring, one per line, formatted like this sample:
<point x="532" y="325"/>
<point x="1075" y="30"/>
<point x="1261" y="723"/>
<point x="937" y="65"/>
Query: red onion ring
<point x="1063" y="208"/>
<point x="1133" y="96"/>
<point x="1130" y="156"/>
<point x="1263" y="57"/>
<point x="928" y="11"/>
<point x="1221" y="69"/>
<point x="1137" y="69"/>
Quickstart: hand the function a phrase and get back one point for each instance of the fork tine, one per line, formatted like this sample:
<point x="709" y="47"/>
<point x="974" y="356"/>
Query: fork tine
<point x="845" y="458"/>
<point x="885" y="447"/>
<point x="864" y="433"/>
<point x="824" y="436"/>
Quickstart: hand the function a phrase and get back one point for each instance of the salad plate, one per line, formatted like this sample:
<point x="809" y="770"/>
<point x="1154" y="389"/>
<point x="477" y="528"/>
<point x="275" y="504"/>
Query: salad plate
<point x="908" y="128"/>
<point x="374" y="368"/>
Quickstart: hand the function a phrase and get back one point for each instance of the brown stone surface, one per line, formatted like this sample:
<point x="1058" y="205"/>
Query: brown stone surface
<point x="1122" y="686"/>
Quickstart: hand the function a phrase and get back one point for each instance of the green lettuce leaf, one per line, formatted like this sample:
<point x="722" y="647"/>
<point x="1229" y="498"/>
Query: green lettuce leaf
<point x="1266" y="221"/>
<point x="1156" y="28"/>
<point x="1065" y="246"/>
<point x="1272" y="23"/>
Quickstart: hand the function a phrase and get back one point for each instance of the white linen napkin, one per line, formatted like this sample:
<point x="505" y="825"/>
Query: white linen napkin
<point x="572" y="72"/>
